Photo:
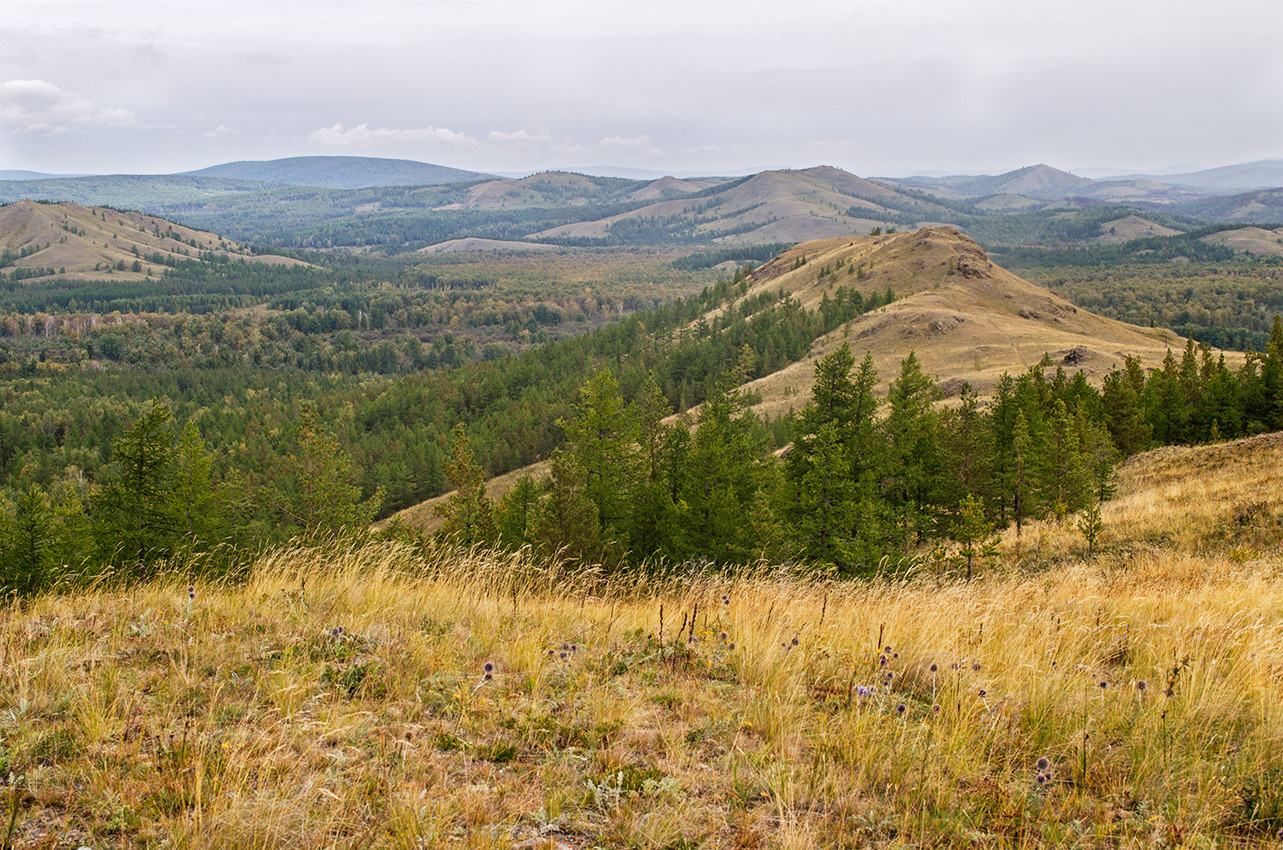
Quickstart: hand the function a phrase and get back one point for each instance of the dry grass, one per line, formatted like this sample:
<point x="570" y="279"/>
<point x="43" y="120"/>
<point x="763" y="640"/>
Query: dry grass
<point x="964" y="317"/>
<point x="242" y="719"/>
<point x="81" y="239"/>
<point x="1258" y="240"/>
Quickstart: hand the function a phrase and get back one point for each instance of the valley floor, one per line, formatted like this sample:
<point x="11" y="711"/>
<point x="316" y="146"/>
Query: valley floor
<point x="377" y="695"/>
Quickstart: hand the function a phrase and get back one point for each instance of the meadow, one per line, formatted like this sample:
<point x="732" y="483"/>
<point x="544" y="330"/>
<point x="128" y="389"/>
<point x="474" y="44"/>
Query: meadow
<point x="380" y="694"/>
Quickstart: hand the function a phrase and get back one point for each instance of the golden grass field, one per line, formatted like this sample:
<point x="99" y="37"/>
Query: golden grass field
<point x="339" y="696"/>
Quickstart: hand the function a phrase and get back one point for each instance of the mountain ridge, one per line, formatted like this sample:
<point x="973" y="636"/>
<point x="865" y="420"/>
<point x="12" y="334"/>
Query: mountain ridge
<point x="72" y="241"/>
<point x="340" y="172"/>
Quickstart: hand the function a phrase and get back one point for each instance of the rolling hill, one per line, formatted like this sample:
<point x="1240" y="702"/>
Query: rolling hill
<point x="340" y="172"/>
<point x="80" y="242"/>
<point x="773" y="206"/>
<point x="145" y="192"/>
<point x="965" y="319"/>
<point x="1034" y="181"/>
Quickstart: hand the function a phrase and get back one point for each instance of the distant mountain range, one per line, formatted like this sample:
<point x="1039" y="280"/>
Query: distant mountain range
<point x="406" y="205"/>
<point x="1047" y="183"/>
<point x="340" y="172"/>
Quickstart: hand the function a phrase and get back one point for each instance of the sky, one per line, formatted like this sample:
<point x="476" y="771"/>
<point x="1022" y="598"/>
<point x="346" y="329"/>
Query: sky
<point x="884" y="88"/>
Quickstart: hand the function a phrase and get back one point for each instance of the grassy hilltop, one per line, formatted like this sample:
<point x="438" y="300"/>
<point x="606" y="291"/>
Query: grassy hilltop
<point x="340" y="698"/>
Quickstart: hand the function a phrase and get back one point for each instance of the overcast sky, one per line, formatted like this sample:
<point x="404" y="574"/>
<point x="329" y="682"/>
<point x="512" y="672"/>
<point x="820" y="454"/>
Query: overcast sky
<point x="714" y="86"/>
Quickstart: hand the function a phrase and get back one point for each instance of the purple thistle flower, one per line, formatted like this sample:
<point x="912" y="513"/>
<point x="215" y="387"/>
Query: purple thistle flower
<point x="1043" y="764"/>
<point x="488" y="667"/>
<point x="901" y="709"/>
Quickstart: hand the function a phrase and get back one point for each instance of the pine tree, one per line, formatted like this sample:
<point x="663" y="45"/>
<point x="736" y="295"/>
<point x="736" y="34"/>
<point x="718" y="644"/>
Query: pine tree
<point x="914" y="461"/>
<point x="515" y="513"/>
<point x="138" y="519"/>
<point x="198" y="506"/>
<point x="467" y="512"/>
<point x="566" y="522"/>
<point x="603" y="436"/>
<point x="973" y="533"/>
<point x="324" y="501"/>
<point x="721" y="477"/>
<point x="1124" y="415"/>
<point x="26" y="562"/>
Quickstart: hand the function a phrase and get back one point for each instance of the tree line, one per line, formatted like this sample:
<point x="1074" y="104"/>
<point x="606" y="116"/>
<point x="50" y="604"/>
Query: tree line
<point x="866" y="483"/>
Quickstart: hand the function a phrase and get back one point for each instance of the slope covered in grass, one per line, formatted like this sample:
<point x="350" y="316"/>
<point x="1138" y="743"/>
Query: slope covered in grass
<point x="340" y="697"/>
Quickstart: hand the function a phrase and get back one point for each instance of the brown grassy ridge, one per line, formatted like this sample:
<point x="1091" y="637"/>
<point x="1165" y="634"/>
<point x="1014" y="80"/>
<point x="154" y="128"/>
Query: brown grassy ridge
<point x="79" y="239"/>
<point x="240" y="718"/>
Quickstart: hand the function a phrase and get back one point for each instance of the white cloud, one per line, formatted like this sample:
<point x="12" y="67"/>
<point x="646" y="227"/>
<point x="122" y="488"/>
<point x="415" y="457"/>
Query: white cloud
<point x="37" y="106"/>
<point x="628" y="148"/>
<point x="538" y="144"/>
<point x="222" y="131"/>
<point x="365" y="138"/>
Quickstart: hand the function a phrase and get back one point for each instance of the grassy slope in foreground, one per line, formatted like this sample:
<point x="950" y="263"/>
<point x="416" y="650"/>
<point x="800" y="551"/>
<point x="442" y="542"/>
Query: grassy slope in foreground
<point x="241" y="719"/>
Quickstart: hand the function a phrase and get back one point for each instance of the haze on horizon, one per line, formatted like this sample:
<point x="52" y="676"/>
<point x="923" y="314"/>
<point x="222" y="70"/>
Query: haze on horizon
<point x="713" y="86"/>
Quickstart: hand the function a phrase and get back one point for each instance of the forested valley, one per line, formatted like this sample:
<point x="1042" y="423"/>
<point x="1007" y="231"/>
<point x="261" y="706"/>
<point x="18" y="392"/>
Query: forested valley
<point x="236" y="406"/>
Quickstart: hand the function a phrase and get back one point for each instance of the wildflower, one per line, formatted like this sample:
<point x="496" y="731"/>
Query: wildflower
<point x="1103" y="684"/>
<point x="563" y="655"/>
<point x="551" y="653"/>
<point x="976" y="667"/>
<point x="191" y="593"/>
<point x="1041" y="778"/>
<point x="1043" y="764"/>
<point x="726" y="600"/>
<point x="574" y="647"/>
<point x="1141" y="686"/>
<point x="488" y="667"/>
<point x="795" y="641"/>
<point x="935" y="709"/>
<point x="953" y="666"/>
<point x="882" y="661"/>
<point x="890" y="674"/>
<point x="901" y="709"/>
<point x="934" y="667"/>
<point x="895" y="655"/>
<point x="565" y="647"/>
<point x="983" y="693"/>
<point x="487" y="677"/>
<point x="731" y="645"/>
<point x="722" y="637"/>
<point x="336" y="631"/>
<point x="887" y="649"/>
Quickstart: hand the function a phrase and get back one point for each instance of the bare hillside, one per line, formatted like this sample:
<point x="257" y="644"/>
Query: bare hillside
<point x="95" y="242"/>
<point x="964" y="317"/>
